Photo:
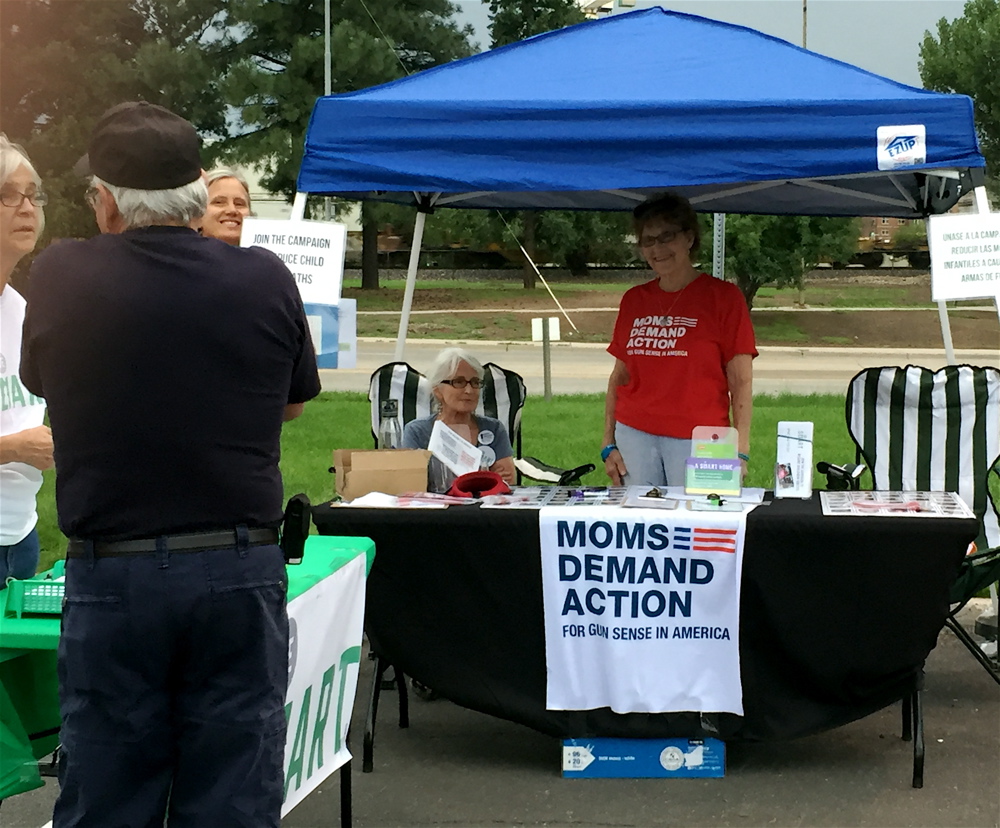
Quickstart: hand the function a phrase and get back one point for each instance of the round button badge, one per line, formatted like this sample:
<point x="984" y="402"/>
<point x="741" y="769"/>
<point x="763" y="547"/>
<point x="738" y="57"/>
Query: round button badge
<point x="672" y="758"/>
<point x="489" y="457"/>
<point x="485" y="438"/>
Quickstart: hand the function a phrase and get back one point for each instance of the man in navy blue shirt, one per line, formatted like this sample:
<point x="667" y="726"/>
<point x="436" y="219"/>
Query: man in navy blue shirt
<point x="169" y="362"/>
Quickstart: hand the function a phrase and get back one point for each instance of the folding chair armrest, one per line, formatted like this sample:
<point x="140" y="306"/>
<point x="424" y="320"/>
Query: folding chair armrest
<point x="535" y="469"/>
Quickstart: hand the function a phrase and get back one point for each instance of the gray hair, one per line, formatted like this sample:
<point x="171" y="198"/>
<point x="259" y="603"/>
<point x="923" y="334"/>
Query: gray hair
<point x="446" y="363"/>
<point x="145" y="208"/>
<point x="218" y="173"/>
<point x="13" y="156"/>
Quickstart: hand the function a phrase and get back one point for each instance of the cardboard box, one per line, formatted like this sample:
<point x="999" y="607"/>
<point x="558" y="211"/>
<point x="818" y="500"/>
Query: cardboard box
<point x="643" y="758"/>
<point x="392" y="471"/>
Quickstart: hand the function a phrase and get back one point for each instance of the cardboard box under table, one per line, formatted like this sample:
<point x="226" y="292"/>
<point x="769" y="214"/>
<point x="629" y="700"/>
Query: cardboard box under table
<point x="391" y="471"/>
<point x="603" y="758"/>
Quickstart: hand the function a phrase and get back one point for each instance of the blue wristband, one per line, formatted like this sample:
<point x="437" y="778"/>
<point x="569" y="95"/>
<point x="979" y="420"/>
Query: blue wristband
<point x="744" y="457"/>
<point x="606" y="451"/>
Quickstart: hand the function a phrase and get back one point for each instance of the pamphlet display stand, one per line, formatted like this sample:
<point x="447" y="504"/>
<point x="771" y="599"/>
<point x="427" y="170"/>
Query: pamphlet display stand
<point x="714" y="466"/>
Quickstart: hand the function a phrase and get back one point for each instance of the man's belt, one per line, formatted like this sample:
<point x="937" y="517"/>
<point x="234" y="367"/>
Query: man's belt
<point x="193" y="542"/>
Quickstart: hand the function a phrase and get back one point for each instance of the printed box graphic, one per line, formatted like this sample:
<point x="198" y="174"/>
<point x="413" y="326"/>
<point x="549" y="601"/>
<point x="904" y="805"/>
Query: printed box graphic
<point x="603" y="758"/>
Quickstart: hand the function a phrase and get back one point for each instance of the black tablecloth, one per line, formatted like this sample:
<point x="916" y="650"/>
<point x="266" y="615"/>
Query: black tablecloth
<point x="837" y="614"/>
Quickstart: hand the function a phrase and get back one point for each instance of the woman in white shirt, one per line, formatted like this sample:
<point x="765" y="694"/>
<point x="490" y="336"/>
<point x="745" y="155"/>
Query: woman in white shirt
<point x="25" y="442"/>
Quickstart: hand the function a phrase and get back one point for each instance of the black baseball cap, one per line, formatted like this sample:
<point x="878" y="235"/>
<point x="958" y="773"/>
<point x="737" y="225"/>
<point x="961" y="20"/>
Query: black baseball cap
<point x="142" y="146"/>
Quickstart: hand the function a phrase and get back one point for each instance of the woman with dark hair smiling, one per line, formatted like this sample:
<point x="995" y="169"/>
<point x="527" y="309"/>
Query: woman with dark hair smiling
<point x="683" y="347"/>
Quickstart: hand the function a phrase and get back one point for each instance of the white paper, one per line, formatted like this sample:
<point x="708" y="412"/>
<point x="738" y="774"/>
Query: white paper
<point x="457" y="453"/>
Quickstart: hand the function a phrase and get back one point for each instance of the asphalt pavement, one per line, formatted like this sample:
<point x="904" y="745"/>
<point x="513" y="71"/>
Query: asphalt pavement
<point x="460" y="769"/>
<point x="583" y="368"/>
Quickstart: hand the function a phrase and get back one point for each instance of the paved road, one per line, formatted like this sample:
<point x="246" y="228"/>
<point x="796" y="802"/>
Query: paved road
<point x="581" y="368"/>
<point x="460" y="769"/>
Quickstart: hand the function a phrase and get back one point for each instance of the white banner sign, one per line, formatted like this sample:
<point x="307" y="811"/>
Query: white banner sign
<point x="642" y="609"/>
<point x="312" y="250"/>
<point x="325" y="628"/>
<point x="965" y="256"/>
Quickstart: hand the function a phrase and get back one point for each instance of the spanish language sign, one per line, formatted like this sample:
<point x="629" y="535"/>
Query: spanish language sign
<point x="642" y="609"/>
<point x="312" y="250"/>
<point x="965" y="256"/>
<point x="325" y="626"/>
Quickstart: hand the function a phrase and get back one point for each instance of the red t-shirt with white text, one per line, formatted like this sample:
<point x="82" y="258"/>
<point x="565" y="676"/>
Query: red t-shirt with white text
<point x="676" y="347"/>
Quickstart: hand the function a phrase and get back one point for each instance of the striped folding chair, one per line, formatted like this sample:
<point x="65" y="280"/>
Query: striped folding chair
<point x="923" y="430"/>
<point x="502" y="398"/>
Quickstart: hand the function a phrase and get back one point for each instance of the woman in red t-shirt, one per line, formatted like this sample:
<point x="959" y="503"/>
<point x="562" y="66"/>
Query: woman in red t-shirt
<point x="683" y="347"/>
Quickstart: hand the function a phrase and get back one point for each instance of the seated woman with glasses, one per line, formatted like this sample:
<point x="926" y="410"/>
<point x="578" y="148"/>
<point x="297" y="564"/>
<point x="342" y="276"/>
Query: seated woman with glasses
<point x="455" y="379"/>
<point x="683" y="348"/>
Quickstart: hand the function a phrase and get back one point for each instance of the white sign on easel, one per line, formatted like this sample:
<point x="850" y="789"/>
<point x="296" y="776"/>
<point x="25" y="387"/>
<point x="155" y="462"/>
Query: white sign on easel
<point x="312" y="250"/>
<point x="965" y="256"/>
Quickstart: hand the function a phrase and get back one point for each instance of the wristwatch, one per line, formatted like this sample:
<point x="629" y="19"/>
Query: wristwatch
<point x="606" y="451"/>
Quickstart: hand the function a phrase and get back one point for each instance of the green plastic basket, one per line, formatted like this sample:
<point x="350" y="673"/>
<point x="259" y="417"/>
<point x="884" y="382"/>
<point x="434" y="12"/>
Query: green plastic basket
<point x="34" y="596"/>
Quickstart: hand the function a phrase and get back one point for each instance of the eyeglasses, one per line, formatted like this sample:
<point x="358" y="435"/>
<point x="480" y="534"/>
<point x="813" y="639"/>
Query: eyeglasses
<point x="665" y="237"/>
<point x="14" y="198"/>
<point x="461" y="382"/>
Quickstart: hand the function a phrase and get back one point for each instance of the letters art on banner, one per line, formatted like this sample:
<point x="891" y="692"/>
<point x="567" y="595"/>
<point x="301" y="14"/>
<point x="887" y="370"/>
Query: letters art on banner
<point x="325" y="625"/>
<point x="642" y="609"/>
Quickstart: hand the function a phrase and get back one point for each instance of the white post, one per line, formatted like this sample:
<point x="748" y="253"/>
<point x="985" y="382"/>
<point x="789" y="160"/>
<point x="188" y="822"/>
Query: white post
<point x="411" y="281"/>
<point x="299" y="207"/>
<point x="719" y="245"/>
<point x="327" y="86"/>
<point x="327" y="71"/>
<point x="546" y="358"/>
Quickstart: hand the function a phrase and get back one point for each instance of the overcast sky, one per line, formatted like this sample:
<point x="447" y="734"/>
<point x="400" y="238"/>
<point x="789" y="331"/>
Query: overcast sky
<point x="882" y="36"/>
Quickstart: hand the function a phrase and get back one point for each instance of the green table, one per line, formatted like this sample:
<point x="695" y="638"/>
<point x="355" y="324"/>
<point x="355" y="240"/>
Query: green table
<point x="29" y="691"/>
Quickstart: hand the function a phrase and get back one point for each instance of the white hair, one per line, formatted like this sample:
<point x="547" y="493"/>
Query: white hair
<point x="446" y="363"/>
<point x="145" y="208"/>
<point x="218" y="173"/>
<point x="13" y="156"/>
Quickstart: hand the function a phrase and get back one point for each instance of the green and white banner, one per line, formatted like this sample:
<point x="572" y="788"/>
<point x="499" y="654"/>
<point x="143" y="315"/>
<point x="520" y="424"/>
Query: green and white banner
<point x="325" y="628"/>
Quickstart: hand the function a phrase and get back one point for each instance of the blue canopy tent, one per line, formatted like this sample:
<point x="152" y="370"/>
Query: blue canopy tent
<point x="602" y="114"/>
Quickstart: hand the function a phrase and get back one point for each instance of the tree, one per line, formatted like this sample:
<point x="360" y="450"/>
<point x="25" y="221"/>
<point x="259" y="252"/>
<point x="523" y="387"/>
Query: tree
<point x="64" y="62"/>
<point x="281" y="70"/>
<point x="964" y="57"/>
<point x="513" y="20"/>
<point x="569" y="238"/>
<point x="780" y="250"/>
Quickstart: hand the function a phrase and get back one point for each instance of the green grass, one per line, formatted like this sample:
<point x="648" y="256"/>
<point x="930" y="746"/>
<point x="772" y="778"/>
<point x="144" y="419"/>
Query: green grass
<point x="781" y="330"/>
<point x="565" y="431"/>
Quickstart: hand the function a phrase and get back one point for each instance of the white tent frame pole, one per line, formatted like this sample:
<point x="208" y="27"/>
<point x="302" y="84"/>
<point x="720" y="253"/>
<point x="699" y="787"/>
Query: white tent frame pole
<point x="411" y="282"/>
<point x="299" y="207"/>
<point x="983" y="206"/>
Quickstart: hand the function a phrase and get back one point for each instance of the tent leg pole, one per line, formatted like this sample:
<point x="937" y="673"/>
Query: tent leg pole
<point x="411" y="281"/>
<point x="983" y="206"/>
<point x="949" y="349"/>
<point x="299" y="207"/>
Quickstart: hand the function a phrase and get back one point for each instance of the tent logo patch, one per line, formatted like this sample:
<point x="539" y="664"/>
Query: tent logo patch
<point x="901" y="146"/>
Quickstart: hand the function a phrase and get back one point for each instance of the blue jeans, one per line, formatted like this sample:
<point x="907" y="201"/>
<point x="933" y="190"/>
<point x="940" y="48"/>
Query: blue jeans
<point x="173" y="670"/>
<point x="19" y="560"/>
<point x="651" y="460"/>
